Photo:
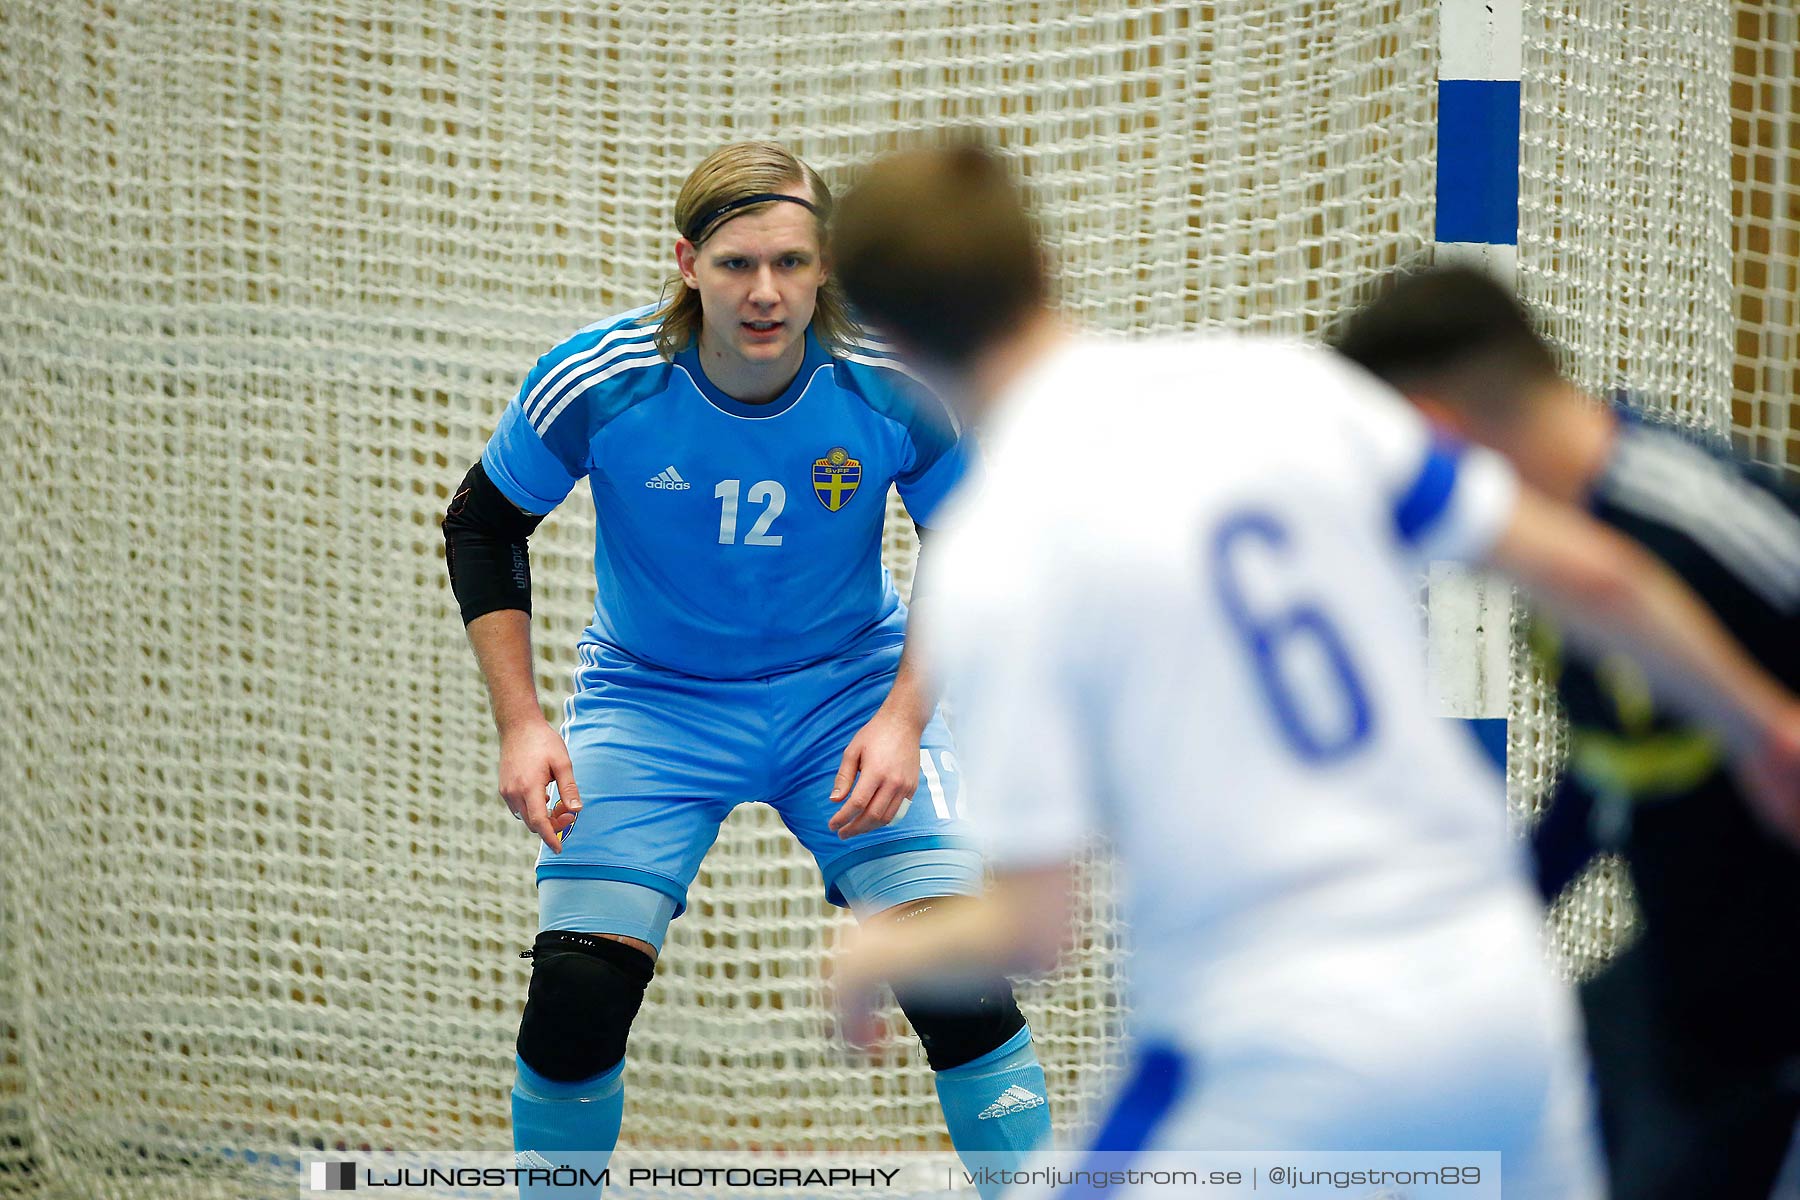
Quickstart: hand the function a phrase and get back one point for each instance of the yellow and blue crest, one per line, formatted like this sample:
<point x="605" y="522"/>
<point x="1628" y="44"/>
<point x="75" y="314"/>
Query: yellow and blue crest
<point x="836" y="478"/>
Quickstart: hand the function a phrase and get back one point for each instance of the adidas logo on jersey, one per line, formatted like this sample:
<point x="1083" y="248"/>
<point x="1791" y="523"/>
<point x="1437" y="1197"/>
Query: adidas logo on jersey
<point x="669" y="480"/>
<point x="1014" y="1099"/>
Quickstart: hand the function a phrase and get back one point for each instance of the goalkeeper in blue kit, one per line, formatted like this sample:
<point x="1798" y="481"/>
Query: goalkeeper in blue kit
<point x="747" y="645"/>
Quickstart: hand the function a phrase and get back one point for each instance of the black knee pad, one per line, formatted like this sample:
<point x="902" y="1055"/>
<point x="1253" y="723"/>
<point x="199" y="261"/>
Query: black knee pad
<point x="585" y="992"/>
<point x="961" y="1030"/>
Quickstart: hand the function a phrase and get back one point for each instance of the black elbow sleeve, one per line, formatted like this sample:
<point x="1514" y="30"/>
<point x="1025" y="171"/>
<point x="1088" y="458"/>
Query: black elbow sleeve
<point x="484" y="548"/>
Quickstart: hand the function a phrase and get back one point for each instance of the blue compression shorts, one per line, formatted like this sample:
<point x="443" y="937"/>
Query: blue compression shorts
<point x="873" y="886"/>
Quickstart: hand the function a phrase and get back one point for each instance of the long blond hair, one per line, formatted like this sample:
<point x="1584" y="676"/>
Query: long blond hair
<point x="732" y="173"/>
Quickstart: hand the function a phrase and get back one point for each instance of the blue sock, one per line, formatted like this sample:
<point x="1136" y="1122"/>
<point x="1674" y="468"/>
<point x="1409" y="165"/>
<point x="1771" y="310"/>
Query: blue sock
<point x="997" y="1107"/>
<point x="573" y="1126"/>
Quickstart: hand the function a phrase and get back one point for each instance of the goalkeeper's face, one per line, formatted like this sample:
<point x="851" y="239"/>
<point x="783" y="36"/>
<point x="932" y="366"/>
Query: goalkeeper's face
<point x="758" y="278"/>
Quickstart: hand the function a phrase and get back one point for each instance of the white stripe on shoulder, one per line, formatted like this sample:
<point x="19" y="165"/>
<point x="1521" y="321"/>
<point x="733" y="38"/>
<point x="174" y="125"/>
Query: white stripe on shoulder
<point x="557" y="375"/>
<point x="543" y="423"/>
<point x="579" y="380"/>
<point x="892" y="364"/>
<point x="1744" y="527"/>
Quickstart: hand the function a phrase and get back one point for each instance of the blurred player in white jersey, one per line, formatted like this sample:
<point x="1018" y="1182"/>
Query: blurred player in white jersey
<point x="1182" y="613"/>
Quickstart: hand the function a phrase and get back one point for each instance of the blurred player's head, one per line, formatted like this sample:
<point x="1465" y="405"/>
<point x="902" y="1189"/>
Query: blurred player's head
<point x="752" y="276"/>
<point x="1454" y="342"/>
<point x="1463" y="349"/>
<point x="936" y="249"/>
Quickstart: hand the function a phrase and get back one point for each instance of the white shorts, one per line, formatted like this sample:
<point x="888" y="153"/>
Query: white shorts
<point x="1451" y="1036"/>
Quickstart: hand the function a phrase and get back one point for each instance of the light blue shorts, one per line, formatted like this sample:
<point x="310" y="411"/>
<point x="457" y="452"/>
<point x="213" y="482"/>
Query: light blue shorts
<point x="661" y="758"/>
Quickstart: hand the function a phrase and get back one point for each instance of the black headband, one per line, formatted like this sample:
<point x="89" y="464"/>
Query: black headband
<point x="694" y="230"/>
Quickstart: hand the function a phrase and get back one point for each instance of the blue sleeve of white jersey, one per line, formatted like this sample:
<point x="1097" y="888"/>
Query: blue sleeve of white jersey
<point x="1425" y="499"/>
<point x="1443" y="499"/>
<point x="525" y="470"/>
<point x="1456" y="502"/>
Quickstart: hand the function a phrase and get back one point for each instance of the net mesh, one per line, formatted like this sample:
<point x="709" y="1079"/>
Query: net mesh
<point x="1624" y="196"/>
<point x="271" y="271"/>
<point x="1625" y="257"/>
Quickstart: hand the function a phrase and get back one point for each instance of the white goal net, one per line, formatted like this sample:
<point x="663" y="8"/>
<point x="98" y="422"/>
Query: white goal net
<point x="271" y="271"/>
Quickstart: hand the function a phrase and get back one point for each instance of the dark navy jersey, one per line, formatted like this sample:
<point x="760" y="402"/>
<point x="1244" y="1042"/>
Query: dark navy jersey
<point x="1720" y="897"/>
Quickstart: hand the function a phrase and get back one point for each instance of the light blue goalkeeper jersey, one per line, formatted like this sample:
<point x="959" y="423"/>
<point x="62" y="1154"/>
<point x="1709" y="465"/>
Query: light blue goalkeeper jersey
<point x="732" y="540"/>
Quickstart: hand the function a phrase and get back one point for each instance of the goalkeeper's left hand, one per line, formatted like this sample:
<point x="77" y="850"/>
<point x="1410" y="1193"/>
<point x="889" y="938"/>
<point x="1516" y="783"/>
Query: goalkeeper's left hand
<point x="883" y="762"/>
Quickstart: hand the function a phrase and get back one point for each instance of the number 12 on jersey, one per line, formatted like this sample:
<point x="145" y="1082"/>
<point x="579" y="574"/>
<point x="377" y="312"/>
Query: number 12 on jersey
<point x="768" y="493"/>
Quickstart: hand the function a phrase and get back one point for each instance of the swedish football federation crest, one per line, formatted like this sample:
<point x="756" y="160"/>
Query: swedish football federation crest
<point x="836" y="478"/>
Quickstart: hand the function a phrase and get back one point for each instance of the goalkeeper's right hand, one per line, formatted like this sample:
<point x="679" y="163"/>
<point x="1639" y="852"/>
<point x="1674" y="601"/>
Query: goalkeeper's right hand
<point x="533" y="759"/>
